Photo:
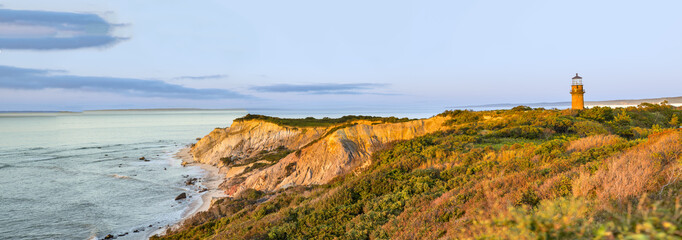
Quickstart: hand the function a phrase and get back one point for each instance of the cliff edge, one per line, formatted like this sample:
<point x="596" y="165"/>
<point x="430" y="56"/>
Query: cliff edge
<point x="299" y="155"/>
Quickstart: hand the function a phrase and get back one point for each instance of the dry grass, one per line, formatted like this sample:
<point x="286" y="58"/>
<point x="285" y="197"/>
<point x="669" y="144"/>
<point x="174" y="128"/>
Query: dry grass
<point x="593" y="142"/>
<point x="648" y="167"/>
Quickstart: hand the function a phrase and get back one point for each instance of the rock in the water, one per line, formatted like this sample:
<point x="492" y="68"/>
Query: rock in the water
<point x="143" y="158"/>
<point x="181" y="196"/>
<point x="190" y="181"/>
<point x="109" y="236"/>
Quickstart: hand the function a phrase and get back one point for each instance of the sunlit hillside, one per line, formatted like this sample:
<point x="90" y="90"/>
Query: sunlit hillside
<point x="524" y="173"/>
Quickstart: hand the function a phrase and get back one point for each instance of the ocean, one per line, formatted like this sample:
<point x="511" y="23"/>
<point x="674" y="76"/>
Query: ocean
<point x="79" y="175"/>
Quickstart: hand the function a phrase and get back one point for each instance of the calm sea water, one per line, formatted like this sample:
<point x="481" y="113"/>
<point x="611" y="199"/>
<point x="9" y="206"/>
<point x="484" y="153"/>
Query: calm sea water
<point x="78" y="175"/>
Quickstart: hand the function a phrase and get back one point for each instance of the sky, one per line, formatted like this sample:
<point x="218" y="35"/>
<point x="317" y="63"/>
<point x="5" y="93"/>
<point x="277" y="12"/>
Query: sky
<point x="77" y="55"/>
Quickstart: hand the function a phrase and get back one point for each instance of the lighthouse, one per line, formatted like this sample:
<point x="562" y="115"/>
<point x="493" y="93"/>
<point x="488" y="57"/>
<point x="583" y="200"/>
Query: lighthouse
<point x="577" y="92"/>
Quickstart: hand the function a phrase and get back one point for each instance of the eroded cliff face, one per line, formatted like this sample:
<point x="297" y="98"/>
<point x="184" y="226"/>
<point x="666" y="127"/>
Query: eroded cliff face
<point x="247" y="138"/>
<point x="322" y="153"/>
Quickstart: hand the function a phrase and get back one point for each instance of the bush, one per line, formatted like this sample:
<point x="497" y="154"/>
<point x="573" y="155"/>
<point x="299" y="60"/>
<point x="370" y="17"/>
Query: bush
<point x="599" y="114"/>
<point x="528" y="132"/>
<point x="521" y="108"/>
<point x="588" y="128"/>
<point x="563" y="218"/>
<point x="460" y="116"/>
<point x="251" y="194"/>
<point x="559" y="124"/>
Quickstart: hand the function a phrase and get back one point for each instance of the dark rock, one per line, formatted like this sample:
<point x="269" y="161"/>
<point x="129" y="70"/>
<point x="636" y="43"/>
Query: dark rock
<point x="136" y="230"/>
<point x="164" y="168"/>
<point x="109" y="236"/>
<point x="198" y="139"/>
<point x="143" y="158"/>
<point x="190" y="181"/>
<point x="150" y="225"/>
<point x="181" y="196"/>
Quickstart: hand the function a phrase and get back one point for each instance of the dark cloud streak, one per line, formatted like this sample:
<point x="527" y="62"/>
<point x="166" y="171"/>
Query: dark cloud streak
<point x="58" y="43"/>
<point x="204" y="77"/>
<point x="323" y="88"/>
<point x="37" y="79"/>
<point x="43" y="30"/>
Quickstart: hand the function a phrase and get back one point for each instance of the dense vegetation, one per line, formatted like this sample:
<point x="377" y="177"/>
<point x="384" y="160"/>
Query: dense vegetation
<point x="323" y="122"/>
<point x="524" y="173"/>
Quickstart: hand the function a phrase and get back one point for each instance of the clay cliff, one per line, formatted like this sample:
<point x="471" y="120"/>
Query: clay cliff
<point x="317" y="154"/>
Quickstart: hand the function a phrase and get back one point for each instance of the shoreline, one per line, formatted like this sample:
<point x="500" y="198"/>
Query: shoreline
<point x="211" y="181"/>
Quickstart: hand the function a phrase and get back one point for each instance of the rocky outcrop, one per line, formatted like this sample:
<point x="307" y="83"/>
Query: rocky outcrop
<point x="322" y="153"/>
<point x="247" y="138"/>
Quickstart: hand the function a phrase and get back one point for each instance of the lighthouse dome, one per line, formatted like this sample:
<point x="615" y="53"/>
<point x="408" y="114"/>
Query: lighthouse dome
<point x="577" y="77"/>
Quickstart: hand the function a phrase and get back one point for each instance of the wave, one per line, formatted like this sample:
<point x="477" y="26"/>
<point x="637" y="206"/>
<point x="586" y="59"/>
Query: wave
<point x="99" y="147"/>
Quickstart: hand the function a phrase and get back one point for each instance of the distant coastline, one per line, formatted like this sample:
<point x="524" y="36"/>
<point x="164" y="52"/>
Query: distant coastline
<point x="675" y="101"/>
<point x="166" y="109"/>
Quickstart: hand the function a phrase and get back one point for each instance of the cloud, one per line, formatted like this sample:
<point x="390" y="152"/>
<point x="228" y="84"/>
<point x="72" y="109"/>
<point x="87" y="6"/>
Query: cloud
<point x="43" y="30"/>
<point x="204" y="77"/>
<point x="322" y="88"/>
<point x="37" y="79"/>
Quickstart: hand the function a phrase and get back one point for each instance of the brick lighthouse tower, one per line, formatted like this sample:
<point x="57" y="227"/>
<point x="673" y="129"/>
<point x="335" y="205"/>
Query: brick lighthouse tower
<point x="577" y="91"/>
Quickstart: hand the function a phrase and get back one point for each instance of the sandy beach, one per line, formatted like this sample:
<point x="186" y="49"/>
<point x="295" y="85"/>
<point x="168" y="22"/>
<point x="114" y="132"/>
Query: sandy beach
<point x="210" y="181"/>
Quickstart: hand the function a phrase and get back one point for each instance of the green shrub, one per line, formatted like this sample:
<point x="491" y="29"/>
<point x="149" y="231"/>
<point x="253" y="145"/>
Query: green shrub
<point x="528" y="132"/>
<point x="521" y="108"/>
<point x="588" y="128"/>
<point x="563" y="218"/>
<point x="251" y="194"/>
<point x="599" y="114"/>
